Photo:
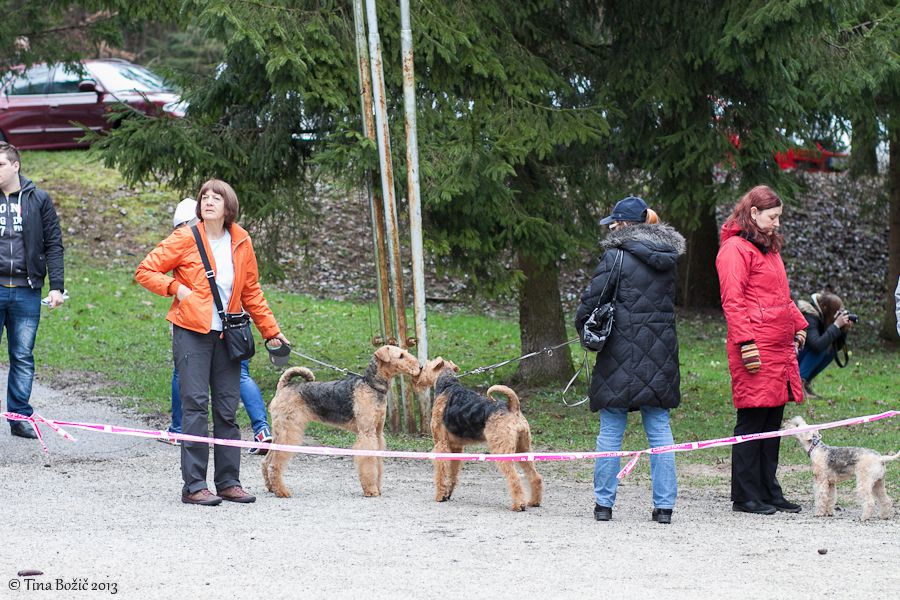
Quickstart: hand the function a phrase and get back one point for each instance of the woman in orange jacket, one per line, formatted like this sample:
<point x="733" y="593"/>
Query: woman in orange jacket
<point x="197" y="347"/>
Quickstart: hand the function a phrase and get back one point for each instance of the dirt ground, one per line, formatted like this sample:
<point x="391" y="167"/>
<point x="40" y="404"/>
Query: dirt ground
<point x="105" y="516"/>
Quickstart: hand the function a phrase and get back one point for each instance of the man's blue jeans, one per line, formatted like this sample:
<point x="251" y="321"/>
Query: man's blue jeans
<point x="662" y="466"/>
<point x="251" y="397"/>
<point x="812" y="363"/>
<point x="20" y="314"/>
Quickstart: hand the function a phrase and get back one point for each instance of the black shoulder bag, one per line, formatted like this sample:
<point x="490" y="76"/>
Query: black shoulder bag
<point x="598" y="327"/>
<point x="235" y="326"/>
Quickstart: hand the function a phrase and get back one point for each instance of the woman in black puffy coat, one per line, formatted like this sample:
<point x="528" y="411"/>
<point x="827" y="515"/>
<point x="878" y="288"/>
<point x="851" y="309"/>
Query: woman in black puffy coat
<point x="638" y="367"/>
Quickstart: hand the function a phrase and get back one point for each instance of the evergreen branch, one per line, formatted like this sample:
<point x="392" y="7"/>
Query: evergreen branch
<point x="273" y="7"/>
<point x="558" y="108"/>
<point x="89" y="21"/>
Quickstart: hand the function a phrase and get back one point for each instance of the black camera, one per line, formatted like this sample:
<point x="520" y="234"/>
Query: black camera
<point x="853" y="317"/>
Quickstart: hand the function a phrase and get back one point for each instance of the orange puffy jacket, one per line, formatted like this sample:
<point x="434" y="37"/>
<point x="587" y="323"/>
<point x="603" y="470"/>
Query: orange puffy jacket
<point x="178" y="253"/>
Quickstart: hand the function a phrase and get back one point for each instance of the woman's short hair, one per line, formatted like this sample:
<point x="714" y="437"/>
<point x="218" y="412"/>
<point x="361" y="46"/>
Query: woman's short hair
<point x="763" y="198"/>
<point x="217" y="186"/>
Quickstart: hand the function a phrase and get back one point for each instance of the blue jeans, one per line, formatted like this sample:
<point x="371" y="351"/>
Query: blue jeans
<point x="662" y="466"/>
<point x="20" y="314"/>
<point x="251" y="397"/>
<point x="813" y="363"/>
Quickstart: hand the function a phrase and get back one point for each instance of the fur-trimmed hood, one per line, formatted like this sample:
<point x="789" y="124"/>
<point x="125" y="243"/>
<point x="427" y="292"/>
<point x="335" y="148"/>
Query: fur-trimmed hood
<point x="810" y="308"/>
<point x="657" y="245"/>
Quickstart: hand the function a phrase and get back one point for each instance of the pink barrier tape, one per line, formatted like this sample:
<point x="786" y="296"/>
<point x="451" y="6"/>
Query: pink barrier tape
<point x="33" y="421"/>
<point x="738" y="439"/>
<point x="633" y="455"/>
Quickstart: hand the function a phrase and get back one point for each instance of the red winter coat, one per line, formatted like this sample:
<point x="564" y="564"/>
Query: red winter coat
<point x="758" y="308"/>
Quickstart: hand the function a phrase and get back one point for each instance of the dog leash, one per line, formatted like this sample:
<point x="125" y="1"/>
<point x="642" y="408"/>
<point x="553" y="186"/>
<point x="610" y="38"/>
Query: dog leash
<point x="547" y="351"/>
<point x="325" y="364"/>
<point x="571" y="381"/>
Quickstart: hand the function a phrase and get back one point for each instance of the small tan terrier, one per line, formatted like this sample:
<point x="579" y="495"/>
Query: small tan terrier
<point x="461" y="417"/>
<point x="834" y="464"/>
<point x="357" y="404"/>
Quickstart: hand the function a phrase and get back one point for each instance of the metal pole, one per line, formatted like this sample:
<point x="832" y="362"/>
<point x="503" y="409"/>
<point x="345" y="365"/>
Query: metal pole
<point x="376" y="208"/>
<point x="382" y="133"/>
<point x="414" y="200"/>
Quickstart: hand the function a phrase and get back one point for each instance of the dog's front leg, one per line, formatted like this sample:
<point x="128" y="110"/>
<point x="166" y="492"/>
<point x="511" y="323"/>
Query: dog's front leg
<point x="821" y="497"/>
<point x="442" y="486"/>
<point x="367" y="466"/>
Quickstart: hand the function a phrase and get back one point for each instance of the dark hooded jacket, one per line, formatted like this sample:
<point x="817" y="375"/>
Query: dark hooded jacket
<point x="41" y="236"/>
<point x="821" y="337"/>
<point x="639" y="364"/>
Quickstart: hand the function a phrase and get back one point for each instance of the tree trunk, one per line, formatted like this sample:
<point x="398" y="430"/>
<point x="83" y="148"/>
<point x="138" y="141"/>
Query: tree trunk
<point x="541" y="325"/>
<point x="864" y="146"/>
<point x="889" y="322"/>
<point x="698" y="283"/>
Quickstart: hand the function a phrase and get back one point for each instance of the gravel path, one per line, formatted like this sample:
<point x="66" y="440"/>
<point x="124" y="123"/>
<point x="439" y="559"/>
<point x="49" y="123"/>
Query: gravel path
<point x="106" y="512"/>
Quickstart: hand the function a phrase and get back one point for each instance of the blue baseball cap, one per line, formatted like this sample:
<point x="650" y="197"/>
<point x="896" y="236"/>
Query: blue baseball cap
<point x="631" y="208"/>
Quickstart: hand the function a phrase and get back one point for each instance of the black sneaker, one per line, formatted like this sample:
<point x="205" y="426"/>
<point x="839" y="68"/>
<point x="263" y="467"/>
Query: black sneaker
<point x="754" y="507"/>
<point x="602" y="513"/>
<point x="662" y="515"/>
<point x="785" y="506"/>
<point x="264" y="436"/>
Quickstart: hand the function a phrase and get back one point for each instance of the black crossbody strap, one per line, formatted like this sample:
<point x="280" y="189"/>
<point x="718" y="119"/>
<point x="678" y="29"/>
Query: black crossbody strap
<point x="617" y="261"/>
<point x="210" y="275"/>
<point x="618" y="276"/>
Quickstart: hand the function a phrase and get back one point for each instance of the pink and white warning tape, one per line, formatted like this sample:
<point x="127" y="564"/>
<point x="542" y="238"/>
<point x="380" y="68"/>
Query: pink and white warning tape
<point x="634" y="455"/>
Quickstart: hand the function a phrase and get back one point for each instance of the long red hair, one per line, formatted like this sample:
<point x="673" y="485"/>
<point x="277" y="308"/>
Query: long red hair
<point x="763" y="198"/>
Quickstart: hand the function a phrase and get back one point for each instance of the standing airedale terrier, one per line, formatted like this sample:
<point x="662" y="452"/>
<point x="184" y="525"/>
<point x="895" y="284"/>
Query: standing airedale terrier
<point x="355" y="403"/>
<point x="461" y="417"/>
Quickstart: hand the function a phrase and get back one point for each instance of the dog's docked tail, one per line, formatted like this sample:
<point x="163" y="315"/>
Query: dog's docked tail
<point x="293" y="372"/>
<point x="511" y="396"/>
<point x="889" y="458"/>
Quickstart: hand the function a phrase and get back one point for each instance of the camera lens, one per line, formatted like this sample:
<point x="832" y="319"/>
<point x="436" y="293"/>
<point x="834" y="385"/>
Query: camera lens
<point x="853" y="317"/>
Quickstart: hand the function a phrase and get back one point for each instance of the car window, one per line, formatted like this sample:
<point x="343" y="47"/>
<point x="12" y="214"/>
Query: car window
<point x="65" y="80"/>
<point x="31" y="81"/>
<point x="126" y="77"/>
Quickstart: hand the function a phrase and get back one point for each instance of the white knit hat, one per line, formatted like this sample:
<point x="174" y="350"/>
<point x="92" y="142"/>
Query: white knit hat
<point x="184" y="212"/>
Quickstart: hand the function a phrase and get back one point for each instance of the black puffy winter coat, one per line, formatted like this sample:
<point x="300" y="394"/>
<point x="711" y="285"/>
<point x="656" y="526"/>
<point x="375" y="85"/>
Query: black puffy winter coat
<point x="639" y="364"/>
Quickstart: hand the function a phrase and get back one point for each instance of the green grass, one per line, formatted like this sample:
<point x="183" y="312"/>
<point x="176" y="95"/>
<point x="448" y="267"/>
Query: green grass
<point x="113" y="332"/>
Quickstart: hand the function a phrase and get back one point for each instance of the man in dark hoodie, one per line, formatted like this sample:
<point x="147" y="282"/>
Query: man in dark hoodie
<point x="30" y="249"/>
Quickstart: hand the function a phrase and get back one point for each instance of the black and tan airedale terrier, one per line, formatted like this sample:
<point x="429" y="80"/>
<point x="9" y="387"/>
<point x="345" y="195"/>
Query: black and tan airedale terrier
<point x="357" y="404"/>
<point x="461" y="417"/>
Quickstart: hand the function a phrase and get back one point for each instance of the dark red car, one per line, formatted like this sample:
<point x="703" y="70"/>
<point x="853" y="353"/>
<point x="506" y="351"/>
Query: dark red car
<point x="40" y="106"/>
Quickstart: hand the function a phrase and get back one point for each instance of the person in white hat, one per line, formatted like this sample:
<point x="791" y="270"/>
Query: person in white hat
<point x="185" y="213"/>
<point x="251" y="397"/>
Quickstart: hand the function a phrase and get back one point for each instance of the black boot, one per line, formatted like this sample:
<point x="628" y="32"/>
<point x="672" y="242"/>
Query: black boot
<point x="22" y="430"/>
<point x="602" y="513"/>
<point x="807" y="389"/>
<point x="662" y="515"/>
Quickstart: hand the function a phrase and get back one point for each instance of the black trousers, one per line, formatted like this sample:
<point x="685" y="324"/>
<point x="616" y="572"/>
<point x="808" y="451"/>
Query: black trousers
<point x="206" y="372"/>
<point x="753" y="464"/>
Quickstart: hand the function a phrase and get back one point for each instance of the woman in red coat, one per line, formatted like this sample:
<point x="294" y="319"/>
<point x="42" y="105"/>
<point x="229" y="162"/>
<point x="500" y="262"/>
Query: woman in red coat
<point x="765" y="330"/>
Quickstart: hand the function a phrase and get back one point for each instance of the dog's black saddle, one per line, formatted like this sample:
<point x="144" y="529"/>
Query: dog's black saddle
<point x="466" y="412"/>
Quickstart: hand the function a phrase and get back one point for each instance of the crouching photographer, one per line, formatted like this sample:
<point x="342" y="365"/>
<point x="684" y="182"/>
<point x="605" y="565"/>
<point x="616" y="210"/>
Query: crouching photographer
<point x="826" y="335"/>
